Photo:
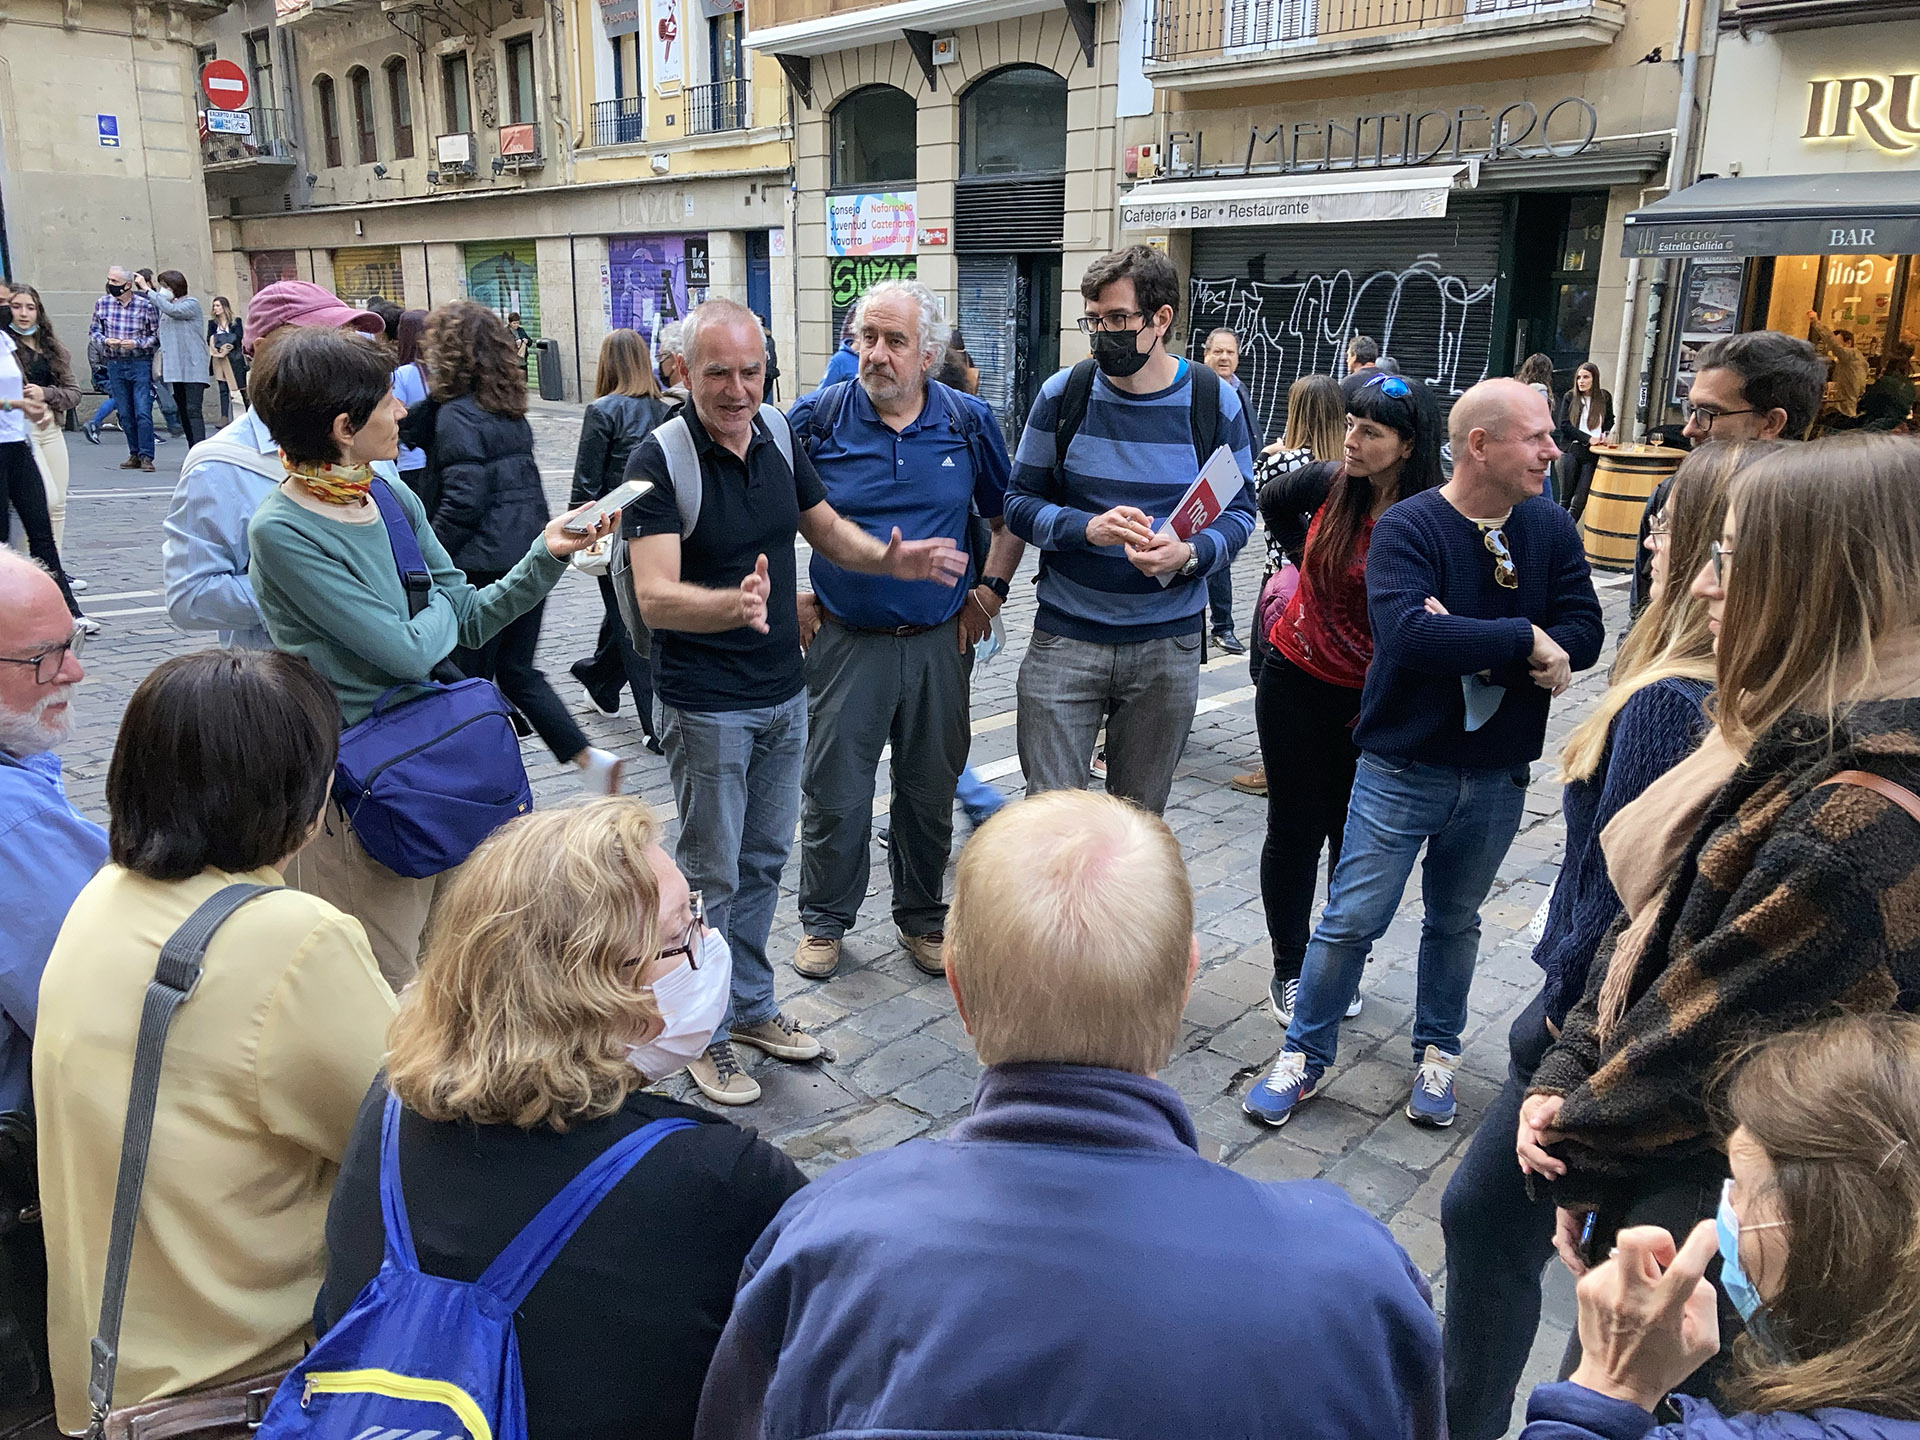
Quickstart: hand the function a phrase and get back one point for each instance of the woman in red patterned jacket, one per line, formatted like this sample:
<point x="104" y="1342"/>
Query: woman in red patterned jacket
<point x="1309" y="692"/>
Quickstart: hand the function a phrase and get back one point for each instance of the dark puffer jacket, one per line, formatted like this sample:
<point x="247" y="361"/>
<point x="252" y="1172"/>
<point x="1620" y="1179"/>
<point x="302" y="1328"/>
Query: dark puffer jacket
<point x="491" y="505"/>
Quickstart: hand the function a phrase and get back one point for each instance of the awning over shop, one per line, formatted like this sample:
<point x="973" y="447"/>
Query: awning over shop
<point x="1874" y="212"/>
<point x="1341" y="198"/>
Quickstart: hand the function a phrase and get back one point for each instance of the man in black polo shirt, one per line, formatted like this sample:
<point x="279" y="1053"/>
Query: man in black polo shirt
<point x="719" y="597"/>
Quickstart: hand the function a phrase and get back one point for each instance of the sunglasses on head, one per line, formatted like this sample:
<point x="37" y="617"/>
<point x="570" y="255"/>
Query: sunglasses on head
<point x="1391" y="385"/>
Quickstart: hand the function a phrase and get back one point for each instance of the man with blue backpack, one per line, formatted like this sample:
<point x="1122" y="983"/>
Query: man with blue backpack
<point x="889" y="661"/>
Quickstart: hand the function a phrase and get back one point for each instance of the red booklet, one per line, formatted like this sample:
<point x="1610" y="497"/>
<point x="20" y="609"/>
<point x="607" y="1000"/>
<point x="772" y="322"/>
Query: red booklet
<point x="1209" y="495"/>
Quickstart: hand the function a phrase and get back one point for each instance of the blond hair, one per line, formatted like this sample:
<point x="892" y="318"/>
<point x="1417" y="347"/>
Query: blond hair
<point x="625" y="367"/>
<point x="527" y="997"/>
<point x="1670" y="640"/>
<point x="1070" y="934"/>
<point x="1828" y="546"/>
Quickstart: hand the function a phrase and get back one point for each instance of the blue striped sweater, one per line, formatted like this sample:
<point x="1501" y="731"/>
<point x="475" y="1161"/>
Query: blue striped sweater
<point x="1131" y="450"/>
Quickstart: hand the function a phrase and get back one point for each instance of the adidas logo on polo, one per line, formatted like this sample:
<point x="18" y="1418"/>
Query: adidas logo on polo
<point x="947" y="464"/>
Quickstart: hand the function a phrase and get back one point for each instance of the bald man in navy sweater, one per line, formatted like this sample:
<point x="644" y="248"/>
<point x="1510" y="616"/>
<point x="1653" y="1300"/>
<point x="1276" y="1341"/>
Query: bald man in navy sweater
<point x="1482" y="608"/>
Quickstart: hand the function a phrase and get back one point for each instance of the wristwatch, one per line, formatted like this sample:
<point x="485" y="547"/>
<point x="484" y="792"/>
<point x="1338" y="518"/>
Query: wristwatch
<point x="995" y="584"/>
<point x="1192" y="567"/>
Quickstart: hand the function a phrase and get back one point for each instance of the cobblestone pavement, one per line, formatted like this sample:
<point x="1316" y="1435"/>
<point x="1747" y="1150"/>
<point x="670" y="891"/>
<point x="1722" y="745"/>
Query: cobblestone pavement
<point x="904" y="1067"/>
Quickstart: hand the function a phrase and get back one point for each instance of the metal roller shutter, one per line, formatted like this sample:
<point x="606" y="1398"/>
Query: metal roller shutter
<point x="1425" y="289"/>
<point x="989" y="318"/>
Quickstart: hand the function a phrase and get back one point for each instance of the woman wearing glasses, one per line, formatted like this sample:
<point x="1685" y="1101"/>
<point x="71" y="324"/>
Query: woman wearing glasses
<point x="567" y="970"/>
<point x="1650" y="719"/>
<point x="1309" y="690"/>
<point x="1771" y="875"/>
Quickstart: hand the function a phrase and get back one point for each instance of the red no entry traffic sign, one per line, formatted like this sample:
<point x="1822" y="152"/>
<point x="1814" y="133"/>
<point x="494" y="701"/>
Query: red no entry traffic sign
<point x="225" y="84"/>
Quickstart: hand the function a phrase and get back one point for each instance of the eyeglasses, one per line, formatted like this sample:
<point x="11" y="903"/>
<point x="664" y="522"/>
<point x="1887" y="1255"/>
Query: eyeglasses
<point x="1114" y="322"/>
<point x="1721" y="554"/>
<point x="1504" y="572"/>
<point x="1705" y="417"/>
<point x="47" y="664"/>
<point x="1660" y="528"/>
<point x="688" y="943"/>
<point x="1391" y="385"/>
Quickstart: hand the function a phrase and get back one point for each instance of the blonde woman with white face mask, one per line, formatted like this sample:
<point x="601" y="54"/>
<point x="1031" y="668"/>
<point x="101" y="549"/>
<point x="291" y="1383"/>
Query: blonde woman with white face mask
<point x="567" y="969"/>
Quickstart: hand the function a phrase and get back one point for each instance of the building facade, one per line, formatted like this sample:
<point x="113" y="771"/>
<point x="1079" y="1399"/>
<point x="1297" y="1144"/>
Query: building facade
<point x="1449" y="177"/>
<point x="99" y="157"/>
<point x="587" y="164"/>
<point x="970" y="143"/>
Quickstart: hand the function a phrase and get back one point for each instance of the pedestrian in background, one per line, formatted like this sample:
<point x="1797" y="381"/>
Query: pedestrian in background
<point x="410" y="387"/>
<point x="491" y="508"/>
<point x="22" y="490"/>
<point x="1063" y="1263"/>
<point x="47" y="372"/>
<point x="183" y="349"/>
<point x="1652" y="716"/>
<point x="1537" y="370"/>
<point x="626" y="407"/>
<point x="126" y="326"/>
<point x="1481" y="608"/>
<point x="568" y="972"/>
<point x="1849" y="365"/>
<point x="1321" y="645"/>
<point x="225" y="335"/>
<point x="1222" y="356"/>
<point x="1586" y="420"/>
<point x="1363" y="351"/>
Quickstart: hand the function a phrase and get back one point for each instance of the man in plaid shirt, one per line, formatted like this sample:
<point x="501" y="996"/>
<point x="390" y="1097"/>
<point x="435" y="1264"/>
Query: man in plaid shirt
<point x="126" y="325"/>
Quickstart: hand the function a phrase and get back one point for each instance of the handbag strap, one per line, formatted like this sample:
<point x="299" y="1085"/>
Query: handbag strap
<point x="174" y="979"/>
<point x="412" y="565"/>
<point x="1886" y="789"/>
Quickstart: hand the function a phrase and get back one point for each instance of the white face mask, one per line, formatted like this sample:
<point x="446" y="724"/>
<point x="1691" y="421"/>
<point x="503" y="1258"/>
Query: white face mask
<point x="693" y="1003"/>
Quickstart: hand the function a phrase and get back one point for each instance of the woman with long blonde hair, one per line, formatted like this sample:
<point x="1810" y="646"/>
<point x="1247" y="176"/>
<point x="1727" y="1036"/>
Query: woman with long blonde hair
<point x="1771" y="875"/>
<point x="1651" y="718"/>
<point x="568" y="969"/>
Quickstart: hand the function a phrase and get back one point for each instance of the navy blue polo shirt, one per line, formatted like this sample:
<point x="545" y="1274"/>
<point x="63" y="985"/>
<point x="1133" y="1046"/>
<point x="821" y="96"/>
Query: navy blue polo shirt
<point x="920" y="479"/>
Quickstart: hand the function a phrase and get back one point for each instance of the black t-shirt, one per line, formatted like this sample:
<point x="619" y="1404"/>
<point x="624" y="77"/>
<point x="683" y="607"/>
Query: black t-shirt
<point x="616" y="1337"/>
<point x="746" y="511"/>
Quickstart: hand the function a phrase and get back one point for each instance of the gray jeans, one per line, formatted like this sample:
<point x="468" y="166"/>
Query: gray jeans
<point x="1144" y="693"/>
<point x="864" y="692"/>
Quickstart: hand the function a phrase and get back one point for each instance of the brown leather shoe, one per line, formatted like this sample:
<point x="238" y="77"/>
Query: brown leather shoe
<point x="929" y="951"/>
<point x="1254" y="782"/>
<point x="132" y="462"/>
<point x="816" y="956"/>
<point x="146" y="465"/>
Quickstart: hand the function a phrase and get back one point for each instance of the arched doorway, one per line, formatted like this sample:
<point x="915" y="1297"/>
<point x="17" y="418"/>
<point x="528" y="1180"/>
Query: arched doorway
<point x="1009" y="215"/>
<point x="875" y="154"/>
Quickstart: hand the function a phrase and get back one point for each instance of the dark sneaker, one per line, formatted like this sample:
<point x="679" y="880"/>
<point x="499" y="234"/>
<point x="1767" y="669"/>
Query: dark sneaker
<point x="720" y="1078"/>
<point x="1432" y="1102"/>
<point x="1280" y="997"/>
<point x="779" y="1037"/>
<point x="1229" y="642"/>
<point x="1293" y="1079"/>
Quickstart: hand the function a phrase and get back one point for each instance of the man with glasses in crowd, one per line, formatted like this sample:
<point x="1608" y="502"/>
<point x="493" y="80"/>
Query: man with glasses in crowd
<point x="1122" y="599"/>
<point x="1482" y="608"/>
<point x="1758" y="386"/>
<point x="48" y="852"/>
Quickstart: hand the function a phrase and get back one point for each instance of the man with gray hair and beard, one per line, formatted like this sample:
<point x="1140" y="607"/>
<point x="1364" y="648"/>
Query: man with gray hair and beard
<point x="48" y="851"/>
<point x="890" y="661"/>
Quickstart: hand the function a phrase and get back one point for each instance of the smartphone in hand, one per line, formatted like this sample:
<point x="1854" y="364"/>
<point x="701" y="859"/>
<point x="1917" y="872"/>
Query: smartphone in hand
<point x="614" y="501"/>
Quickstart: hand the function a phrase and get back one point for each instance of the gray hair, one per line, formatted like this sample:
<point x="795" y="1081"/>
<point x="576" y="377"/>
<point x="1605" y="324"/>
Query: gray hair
<point x="934" y="329"/>
<point x="672" y="340"/>
<point x="718" y="311"/>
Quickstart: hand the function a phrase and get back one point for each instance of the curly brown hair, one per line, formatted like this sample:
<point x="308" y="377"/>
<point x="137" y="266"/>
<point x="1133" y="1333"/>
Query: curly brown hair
<point x="468" y="351"/>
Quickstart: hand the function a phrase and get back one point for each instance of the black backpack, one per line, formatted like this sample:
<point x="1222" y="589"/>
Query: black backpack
<point x="1203" y="419"/>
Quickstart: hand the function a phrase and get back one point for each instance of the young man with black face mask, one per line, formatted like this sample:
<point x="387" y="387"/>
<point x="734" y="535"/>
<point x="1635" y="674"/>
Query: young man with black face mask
<point x="1111" y="643"/>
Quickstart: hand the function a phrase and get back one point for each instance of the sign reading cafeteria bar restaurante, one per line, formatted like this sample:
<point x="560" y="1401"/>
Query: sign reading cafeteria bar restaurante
<point x="1190" y="208"/>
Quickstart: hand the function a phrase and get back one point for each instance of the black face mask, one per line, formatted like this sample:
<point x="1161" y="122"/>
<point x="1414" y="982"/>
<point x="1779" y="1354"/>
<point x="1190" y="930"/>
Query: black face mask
<point x="1119" y="353"/>
<point x="118" y="289"/>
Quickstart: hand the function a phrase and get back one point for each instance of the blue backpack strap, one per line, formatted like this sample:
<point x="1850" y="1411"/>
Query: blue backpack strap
<point x="412" y="565"/>
<point x="393" y="1204"/>
<point x="825" y="414"/>
<point x="518" y="1268"/>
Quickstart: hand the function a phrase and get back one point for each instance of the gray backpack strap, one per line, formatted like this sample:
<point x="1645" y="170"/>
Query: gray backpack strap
<point x="779" y="430"/>
<point x="683" y="464"/>
<point x="234" y="453"/>
<point x="174" y="979"/>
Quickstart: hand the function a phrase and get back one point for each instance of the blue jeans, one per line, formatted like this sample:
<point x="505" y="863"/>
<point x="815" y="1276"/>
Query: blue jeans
<point x="979" y="799"/>
<point x="1466" y="819"/>
<point x="130" y="383"/>
<point x="736" y="776"/>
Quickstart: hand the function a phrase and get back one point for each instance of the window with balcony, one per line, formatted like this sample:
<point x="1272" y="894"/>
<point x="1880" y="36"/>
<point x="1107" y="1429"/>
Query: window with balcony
<point x="456" y="94"/>
<point x="260" y="66"/>
<point x="873" y="138"/>
<point x="520" y="102"/>
<point x="366" y="142"/>
<point x="1014" y="122"/>
<point x="329" y="106"/>
<point x="400" y="103"/>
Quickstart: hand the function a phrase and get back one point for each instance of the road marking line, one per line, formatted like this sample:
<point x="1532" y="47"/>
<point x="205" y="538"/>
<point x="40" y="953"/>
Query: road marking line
<point x="126" y="595"/>
<point x="135" y="610"/>
<point x="118" y="494"/>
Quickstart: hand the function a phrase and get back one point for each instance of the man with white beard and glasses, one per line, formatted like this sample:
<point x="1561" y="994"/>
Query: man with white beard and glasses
<point x="48" y="851"/>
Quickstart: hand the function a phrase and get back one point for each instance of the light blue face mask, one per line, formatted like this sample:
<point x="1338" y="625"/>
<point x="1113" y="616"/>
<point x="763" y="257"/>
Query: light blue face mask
<point x="26" y="329"/>
<point x="1733" y="1279"/>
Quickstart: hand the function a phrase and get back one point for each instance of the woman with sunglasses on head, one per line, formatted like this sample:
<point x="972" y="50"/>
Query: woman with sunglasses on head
<point x="1769" y="876"/>
<point x="1650" y="719"/>
<point x="1320" y="644"/>
<point x="567" y="971"/>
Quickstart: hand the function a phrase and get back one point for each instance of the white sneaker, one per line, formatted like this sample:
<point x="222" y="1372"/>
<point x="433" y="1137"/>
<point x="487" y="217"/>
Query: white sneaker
<point x="601" y="774"/>
<point x="88" y="625"/>
<point x="76" y="585"/>
<point x="1354" y="1008"/>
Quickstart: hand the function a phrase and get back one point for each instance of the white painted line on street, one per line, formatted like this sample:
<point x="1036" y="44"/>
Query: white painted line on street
<point x="73" y="495"/>
<point x="126" y="595"/>
<point x="135" y="610"/>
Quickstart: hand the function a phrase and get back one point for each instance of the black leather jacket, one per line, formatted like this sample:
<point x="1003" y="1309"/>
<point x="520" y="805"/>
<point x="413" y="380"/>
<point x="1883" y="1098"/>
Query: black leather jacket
<point x="491" y="503"/>
<point x="614" y="425"/>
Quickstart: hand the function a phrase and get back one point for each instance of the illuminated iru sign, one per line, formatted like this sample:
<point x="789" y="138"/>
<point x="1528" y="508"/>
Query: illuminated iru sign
<point x="1882" y="108"/>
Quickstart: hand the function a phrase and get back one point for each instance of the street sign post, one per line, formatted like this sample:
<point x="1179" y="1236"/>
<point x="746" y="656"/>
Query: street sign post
<point x="229" y="122"/>
<point x="225" y="84"/>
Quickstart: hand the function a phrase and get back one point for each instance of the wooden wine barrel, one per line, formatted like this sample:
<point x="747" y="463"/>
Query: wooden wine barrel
<point x="1624" y="478"/>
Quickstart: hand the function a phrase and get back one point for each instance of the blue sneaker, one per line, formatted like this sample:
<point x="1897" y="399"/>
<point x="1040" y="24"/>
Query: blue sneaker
<point x="1432" y="1102"/>
<point x="1294" y="1078"/>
